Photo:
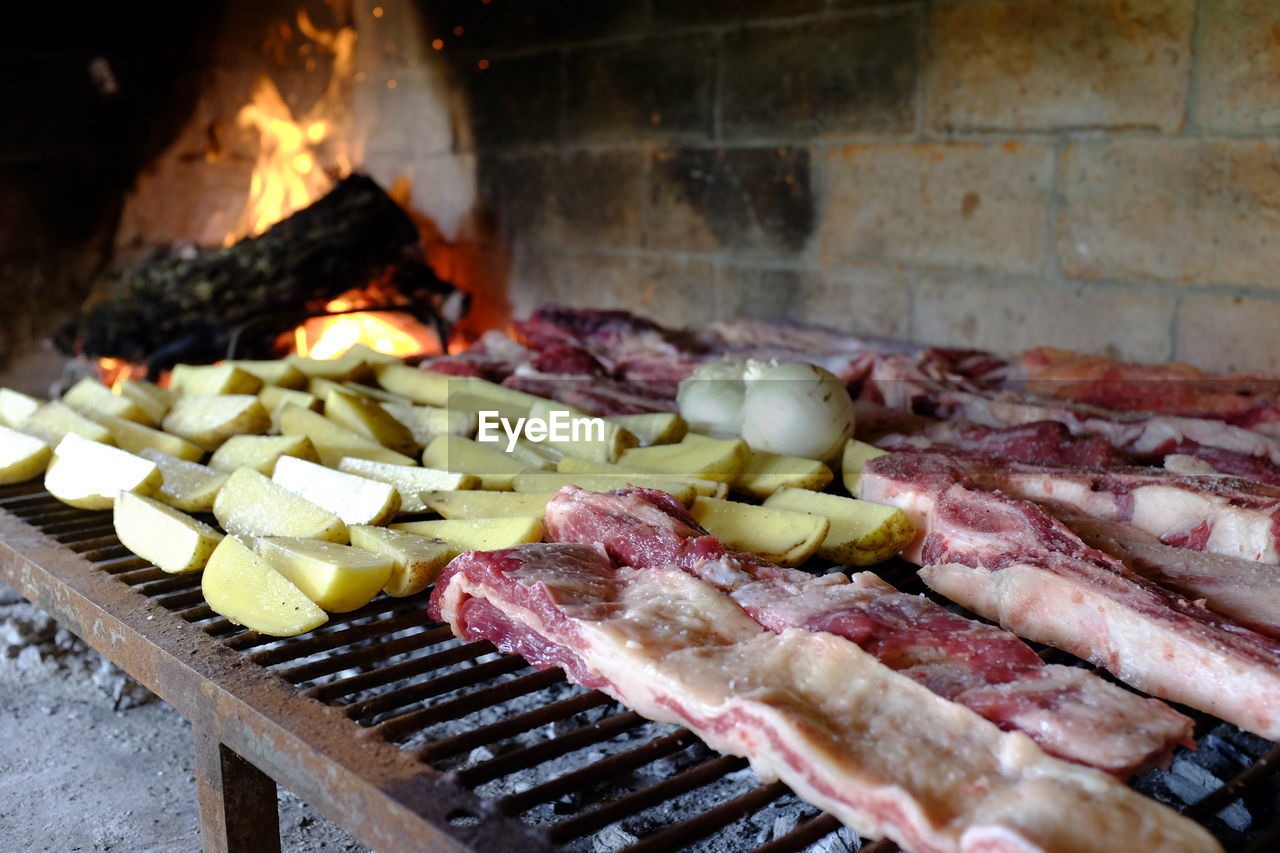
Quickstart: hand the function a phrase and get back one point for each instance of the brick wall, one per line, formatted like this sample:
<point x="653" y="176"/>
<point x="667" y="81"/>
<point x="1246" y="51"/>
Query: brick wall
<point x="1096" y="174"/>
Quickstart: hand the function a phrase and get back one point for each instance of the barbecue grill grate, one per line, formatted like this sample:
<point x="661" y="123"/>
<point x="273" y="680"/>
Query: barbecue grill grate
<point x="591" y="774"/>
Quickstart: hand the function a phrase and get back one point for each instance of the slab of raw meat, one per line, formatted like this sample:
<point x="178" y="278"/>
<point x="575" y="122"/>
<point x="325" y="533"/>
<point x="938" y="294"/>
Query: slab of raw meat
<point x="1068" y="711"/>
<point x="1248" y="592"/>
<point x="873" y="748"/>
<point x="1012" y="562"/>
<point x="1046" y="442"/>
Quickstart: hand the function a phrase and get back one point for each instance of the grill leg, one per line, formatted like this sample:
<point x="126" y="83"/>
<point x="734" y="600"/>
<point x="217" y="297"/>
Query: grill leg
<point x="238" y="811"/>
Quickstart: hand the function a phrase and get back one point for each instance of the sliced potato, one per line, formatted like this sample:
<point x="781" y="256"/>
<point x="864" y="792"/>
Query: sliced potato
<point x="767" y="472"/>
<point x="170" y="539"/>
<point x="90" y="396"/>
<point x="349" y="366"/>
<point x="276" y="372"/>
<point x="272" y="397"/>
<point x="354" y="499"/>
<point x="654" y="427"/>
<point x="187" y="486"/>
<point x="382" y="396"/>
<point x="52" y="421"/>
<point x="212" y="379"/>
<point x="707" y="458"/>
<point x="89" y="475"/>
<point x="552" y="481"/>
<point x="16" y="407"/>
<point x="249" y="504"/>
<point x="334" y="442"/>
<point x="481" y="504"/>
<point x="241" y="586"/>
<point x="862" y="532"/>
<point x="338" y="578"/>
<point x="706" y="488"/>
<point x="365" y="417"/>
<point x="22" y="457"/>
<point x="779" y="535"/>
<point x="424" y="387"/>
<point x="856" y="454"/>
<point x="411" y="482"/>
<point x="416" y="561"/>
<point x="260" y="452"/>
<point x="479" y="534"/>
<point x="536" y="456"/>
<point x="135" y="438"/>
<point x="149" y="397"/>
<point x="465" y="456"/>
<point x="372" y="356"/>
<point x="318" y="387"/>
<point x="576" y="433"/>
<point x="209" y="420"/>
<point x="426" y="422"/>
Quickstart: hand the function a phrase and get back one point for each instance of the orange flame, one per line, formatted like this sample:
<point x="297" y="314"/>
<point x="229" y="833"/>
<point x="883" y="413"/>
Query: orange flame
<point x="114" y="371"/>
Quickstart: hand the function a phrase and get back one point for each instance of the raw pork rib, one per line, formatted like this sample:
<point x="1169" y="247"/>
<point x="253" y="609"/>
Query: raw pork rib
<point x="1244" y="590"/>
<point x="873" y="748"/>
<point x="1044" y="442"/>
<point x="1071" y="713"/>
<point x="1012" y="562"/>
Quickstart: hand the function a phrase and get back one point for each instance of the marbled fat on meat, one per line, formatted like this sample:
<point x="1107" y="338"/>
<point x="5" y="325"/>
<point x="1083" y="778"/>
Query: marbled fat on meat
<point x="873" y="748"/>
<point x="1069" y="712"/>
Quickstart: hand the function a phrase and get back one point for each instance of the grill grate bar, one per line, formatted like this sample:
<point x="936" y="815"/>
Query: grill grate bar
<point x="398" y="671"/>
<point x="146" y="574"/>
<point x="196" y="614"/>
<point x="531" y="756"/>
<point x="169" y="583"/>
<point x="511" y="726"/>
<point x="409" y="694"/>
<point x="364" y="656"/>
<point x="123" y="565"/>
<point x="86" y="546"/>
<point x="380" y="606"/>
<point x="1235" y="787"/>
<point x="26" y="503"/>
<point x="396" y="727"/>
<point x="68" y="534"/>
<point x="336" y="639"/>
<point x="108" y="552"/>
<point x="57" y="520"/>
<point x="180" y="600"/>
<point x="711" y="820"/>
<point x="598" y="771"/>
<point x="803" y="835"/>
<point x="634" y="803"/>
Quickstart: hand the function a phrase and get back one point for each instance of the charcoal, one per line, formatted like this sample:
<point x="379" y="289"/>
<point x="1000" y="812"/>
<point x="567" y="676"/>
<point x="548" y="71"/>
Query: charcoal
<point x="1237" y="816"/>
<point x="1190" y="781"/>
<point x="192" y="304"/>
<point x="1251" y="744"/>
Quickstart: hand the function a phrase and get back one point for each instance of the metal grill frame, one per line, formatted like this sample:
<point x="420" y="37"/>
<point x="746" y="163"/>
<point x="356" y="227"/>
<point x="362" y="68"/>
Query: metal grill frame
<point x="253" y="727"/>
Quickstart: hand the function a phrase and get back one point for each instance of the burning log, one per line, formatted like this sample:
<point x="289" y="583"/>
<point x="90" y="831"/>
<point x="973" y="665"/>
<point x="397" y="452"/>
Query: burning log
<point x="192" y="305"/>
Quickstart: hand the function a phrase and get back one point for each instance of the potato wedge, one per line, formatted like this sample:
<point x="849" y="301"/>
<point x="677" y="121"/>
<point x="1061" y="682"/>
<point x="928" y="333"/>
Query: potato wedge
<point x="372" y="356"/>
<point x="276" y="372"/>
<point x="411" y="483"/>
<point x="338" y="578"/>
<point x="709" y="458"/>
<point x="22" y="457"/>
<point x="861" y="534"/>
<point x="654" y="427"/>
<point x="552" y="481"/>
<point x="574" y="432"/>
<point x="373" y="393"/>
<point x="89" y="475"/>
<point x="416" y="561"/>
<point x="481" y="504"/>
<point x="365" y="417"/>
<point x="779" y="535"/>
<point x="260" y="452"/>
<point x="209" y="420"/>
<point x="249" y="504"/>
<point x="424" y="387"/>
<point x="354" y="499"/>
<point x="319" y="387"/>
<point x="52" y="421"/>
<point x="16" y="407"/>
<point x="187" y="486"/>
<point x="856" y="454"/>
<point x="241" y="586"/>
<point x="89" y="396"/>
<point x="465" y="456"/>
<point x="149" y="397"/>
<point x="334" y="442"/>
<point x="135" y="438"/>
<point x="171" y="540"/>
<point x="426" y="422"/>
<point x="536" y="457"/>
<point x="349" y="366"/>
<point x="478" y="534"/>
<point x="208" y="379"/>
<point x="706" y="488"/>
<point x="272" y="397"/>
<point x="767" y="472"/>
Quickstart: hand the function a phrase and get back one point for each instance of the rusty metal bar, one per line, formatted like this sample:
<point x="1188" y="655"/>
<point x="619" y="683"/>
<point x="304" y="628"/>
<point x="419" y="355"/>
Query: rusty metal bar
<point x="396" y="672"/>
<point x="512" y="726"/>
<point x="531" y="756"/>
<point x="481" y="698"/>
<point x="702" y="825"/>
<point x="802" y="836"/>
<point x="238" y="811"/>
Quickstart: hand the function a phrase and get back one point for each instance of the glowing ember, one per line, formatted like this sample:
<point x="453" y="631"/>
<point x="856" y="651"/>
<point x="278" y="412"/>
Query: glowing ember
<point x="114" y="371"/>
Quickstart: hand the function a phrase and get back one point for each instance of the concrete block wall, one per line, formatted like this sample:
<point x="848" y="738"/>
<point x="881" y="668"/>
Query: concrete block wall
<point x="1095" y="174"/>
